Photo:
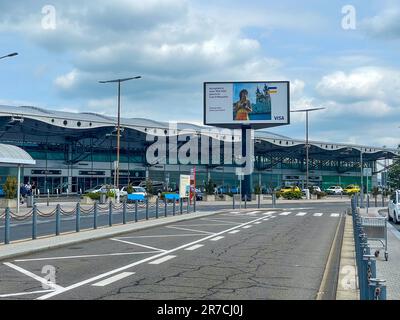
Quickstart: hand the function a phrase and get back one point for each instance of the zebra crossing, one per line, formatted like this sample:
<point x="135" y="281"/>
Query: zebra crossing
<point x="273" y="214"/>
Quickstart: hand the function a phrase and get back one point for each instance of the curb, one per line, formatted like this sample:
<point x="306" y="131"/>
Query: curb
<point x="24" y="247"/>
<point x="347" y="288"/>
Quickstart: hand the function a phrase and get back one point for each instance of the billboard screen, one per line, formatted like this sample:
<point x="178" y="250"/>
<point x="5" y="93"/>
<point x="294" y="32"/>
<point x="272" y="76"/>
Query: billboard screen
<point x="257" y="104"/>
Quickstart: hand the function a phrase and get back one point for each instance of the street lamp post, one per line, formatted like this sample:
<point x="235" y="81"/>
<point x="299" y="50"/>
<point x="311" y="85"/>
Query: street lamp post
<point x="307" y="146"/>
<point x="116" y="176"/>
<point x="9" y="55"/>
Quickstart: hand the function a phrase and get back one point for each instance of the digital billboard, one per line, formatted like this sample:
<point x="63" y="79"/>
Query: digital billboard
<point x="256" y="104"/>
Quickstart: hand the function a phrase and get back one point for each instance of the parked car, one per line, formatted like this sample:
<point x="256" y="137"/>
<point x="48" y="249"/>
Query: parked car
<point x="158" y="186"/>
<point x="289" y="189"/>
<point x="351" y="188"/>
<point x="334" y="190"/>
<point x="394" y="207"/>
<point x="314" y="188"/>
<point x="135" y="190"/>
<point x="199" y="194"/>
<point x="103" y="188"/>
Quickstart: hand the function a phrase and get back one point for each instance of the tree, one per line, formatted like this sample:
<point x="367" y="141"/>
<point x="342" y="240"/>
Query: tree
<point x="10" y="188"/>
<point x="209" y="187"/>
<point x="149" y="186"/>
<point x="394" y="175"/>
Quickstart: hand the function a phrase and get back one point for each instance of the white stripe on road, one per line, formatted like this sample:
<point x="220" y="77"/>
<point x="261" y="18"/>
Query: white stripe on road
<point x="258" y="222"/>
<point x="113" y="279"/>
<point x="106" y="274"/>
<point x="253" y="212"/>
<point x="301" y="214"/>
<point x="34" y="276"/>
<point x="246" y="227"/>
<point x="318" y="214"/>
<point x="269" y="212"/>
<point x="335" y="215"/>
<point x="285" y="213"/>
<point x="86" y="256"/>
<point x="266" y="219"/>
<point x="161" y="260"/>
<point x="234" y="231"/>
<point x="217" y="238"/>
<point x="187" y="229"/>
<point x="196" y="246"/>
<point x="24" y="293"/>
<point x="137" y="244"/>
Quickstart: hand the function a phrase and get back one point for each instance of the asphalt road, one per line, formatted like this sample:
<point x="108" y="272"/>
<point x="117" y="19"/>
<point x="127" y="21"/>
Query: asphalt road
<point x="47" y="225"/>
<point x="261" y="254"/>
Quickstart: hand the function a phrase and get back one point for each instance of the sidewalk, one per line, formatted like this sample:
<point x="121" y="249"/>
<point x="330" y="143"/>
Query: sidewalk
<point x="388" y="270"/>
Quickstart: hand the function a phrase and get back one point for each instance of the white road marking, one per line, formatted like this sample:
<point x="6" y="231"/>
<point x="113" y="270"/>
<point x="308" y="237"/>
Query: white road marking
<point x="196" y="246"/>
<point x="217" y="238"/>
<point x="301" y="214"/>
<point x="164" y="236"/>
<point x="234" y="231"/>
<point x="86" y="256"/>
<point x="187" y="229"/>
<point x="253" y="212"/>
<point x="247" y="227"/>
<point x="258" y="222"/>
<point x="106" y="274"/>
<point x="266" y="219"/>
<point x="34" y="276"/>
<point x="138" y="244"/>
<point x="24" y="293"/>
<point x="335" y="215"/>
<point x="273" y="217"/>
<point x="218" y="220"/>
<point x="285" y="213"/>
<point x="161" y="260"/>
<point x="318" y="214"/>
<point x="269" y="212"/>
<point x="113" y="279"/>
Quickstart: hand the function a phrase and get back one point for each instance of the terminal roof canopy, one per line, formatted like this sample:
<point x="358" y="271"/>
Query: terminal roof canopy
<point x="14" y="155"/>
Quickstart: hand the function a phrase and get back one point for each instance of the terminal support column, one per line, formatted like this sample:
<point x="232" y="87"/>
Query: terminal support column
<point x="246" y="183"/>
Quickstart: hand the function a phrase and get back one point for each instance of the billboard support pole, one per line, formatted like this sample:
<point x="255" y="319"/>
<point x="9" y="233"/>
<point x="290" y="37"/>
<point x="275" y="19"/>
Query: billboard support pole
<point x="246" y="189"/>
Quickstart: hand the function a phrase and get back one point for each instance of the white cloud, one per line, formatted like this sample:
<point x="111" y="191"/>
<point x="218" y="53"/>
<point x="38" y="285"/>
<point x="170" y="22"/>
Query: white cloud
<point x="384" y="25"/>
<point x="67" y="81"/>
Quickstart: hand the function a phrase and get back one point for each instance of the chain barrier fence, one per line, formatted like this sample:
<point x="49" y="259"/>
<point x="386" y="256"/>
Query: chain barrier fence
<point x="371" y="288"/>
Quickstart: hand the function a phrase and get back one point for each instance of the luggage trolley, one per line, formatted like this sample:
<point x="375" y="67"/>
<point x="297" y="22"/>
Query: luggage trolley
<point x="376" y="231"/>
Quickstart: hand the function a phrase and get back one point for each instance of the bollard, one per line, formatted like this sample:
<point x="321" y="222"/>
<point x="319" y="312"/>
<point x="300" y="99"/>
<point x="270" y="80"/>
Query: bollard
<point x="136" y="211"/>
<point x="181" y="205"/>
<point x="194" y="202"/>
<point x="124" y="212"/>
<point x="48" y="197"/>
<point x="233" y="202"/>
<point x="95" y="215"/>
<point x="259" y="204"/>
<point x="7" y="226"/>
<point x="273" y="199"/>
<point x="173" y="207"/>
<point x="110" y="214"/>
<point x="58" y="219"/>
<point x="34" y="222"/>
<point x="147" y="209"/>
<point x="78" y="217"/>
<point x="377" y="289"/>
<point x="368" y="271"/>
<point x="157" y="204"/>
<point x="245" y="201"/>
<point x="165" y="207"/>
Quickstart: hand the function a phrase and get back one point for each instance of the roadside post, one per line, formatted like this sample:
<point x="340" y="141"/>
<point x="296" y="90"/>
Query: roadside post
<point x="377" y="289"/>
<point x="136" y="211"/>
<point x="124" y="212"/>
<point x="95" y="215"/>
<point x="78" y="217"/>
<point x="165" y="207"/>
<point x="58" y="219"/>
<point x="110" y="214"/>
<point x="48" y="197"/>
<point x="7" y="226"/>
<point x="147" y="208"/>
<point x="34" y="221"/>
<point x="157" y="204"/>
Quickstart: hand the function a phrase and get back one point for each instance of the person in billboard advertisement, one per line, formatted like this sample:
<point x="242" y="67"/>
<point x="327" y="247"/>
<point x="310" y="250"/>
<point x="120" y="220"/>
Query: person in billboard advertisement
<point x="242" y="108"/>
<point x="253" y="101"/>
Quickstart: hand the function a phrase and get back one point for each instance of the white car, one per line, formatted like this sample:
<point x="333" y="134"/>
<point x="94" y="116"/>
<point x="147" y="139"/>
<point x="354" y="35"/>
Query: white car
<point x="334" y="190"/>
<point x="103" y="188"/>
<point x="394" y="207"/>
<point x="136" y="190"/>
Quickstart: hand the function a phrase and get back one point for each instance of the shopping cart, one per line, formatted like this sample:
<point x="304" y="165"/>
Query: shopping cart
<point x="376" y="230"/>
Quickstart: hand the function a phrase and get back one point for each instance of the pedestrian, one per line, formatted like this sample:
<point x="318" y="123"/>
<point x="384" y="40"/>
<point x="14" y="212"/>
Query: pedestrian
<point x="28" y="188"/>
<point x="22" y="192"/>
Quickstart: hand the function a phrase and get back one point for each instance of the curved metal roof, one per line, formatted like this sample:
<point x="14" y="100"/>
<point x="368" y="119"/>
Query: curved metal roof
<point x="14" y="155"/>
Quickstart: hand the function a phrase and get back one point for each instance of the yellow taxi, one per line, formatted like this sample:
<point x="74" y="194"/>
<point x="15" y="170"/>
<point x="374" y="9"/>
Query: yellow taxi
<point x="289" y="189"/>
<point x="351" y="188"/>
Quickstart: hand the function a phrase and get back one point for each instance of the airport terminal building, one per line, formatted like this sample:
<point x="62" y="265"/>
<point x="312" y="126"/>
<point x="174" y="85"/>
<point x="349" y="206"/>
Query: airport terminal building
<point x="77" y="151"/>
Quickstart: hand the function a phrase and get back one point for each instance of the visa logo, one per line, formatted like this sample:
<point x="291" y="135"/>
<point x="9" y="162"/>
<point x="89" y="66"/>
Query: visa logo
<point x="279" y="117"/>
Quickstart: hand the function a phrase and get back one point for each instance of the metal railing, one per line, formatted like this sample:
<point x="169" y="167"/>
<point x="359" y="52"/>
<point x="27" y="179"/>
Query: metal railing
<point x="371" y="288"/>
<point x="110" y="209"/>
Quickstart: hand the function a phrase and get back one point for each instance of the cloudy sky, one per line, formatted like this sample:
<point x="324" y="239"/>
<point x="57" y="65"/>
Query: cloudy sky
<point x="176" y="45"/>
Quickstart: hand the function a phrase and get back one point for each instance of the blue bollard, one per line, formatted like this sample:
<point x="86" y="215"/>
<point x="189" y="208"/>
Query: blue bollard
<point x="173" y="207"/>
<point x="110" y="211"/>
<point x="124" y="212"/>
<point x="136" y="211"/>
<point x="147" y="209"/>
<point x="233" y="202"/>
<point x="34" y="222"/>
<point x="377" y="289"/>
<point x="95" y="215"/>
<point x="58" y="220"/>
<point x="165" y="208"/>
<point x="157" y="205"/>
<point x="78" y="217"/>
<point x="7" y="226"/>
<point x="181" y="205"/>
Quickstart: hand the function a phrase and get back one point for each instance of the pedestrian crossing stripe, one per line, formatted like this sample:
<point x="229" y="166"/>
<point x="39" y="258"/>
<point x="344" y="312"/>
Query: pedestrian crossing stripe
<point x="286" y="213"/>
<point x="300" y="214"/>
<point x="318" y="214"/>
<point x="335" y="215"/>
